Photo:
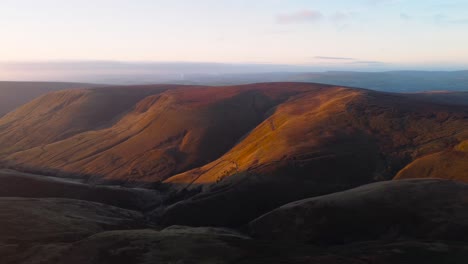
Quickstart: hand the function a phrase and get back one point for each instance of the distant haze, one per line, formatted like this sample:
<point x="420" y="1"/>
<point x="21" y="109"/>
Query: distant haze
<point x="132" y="72"/>
<point x="115" y="72"/>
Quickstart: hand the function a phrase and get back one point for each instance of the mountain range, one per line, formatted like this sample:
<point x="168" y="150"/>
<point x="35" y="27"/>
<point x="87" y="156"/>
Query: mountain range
<point x="324" y="173"/>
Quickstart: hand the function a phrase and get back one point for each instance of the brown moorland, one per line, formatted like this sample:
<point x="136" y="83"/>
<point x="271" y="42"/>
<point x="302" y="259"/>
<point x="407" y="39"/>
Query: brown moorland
<point x="238" y="151"/>
<point x="162" y="135"/>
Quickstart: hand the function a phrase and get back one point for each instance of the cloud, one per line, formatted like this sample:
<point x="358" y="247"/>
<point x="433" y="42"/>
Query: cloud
<point x="341" y="16"/>
<point x="368" y="62"/>
<point x="459" y="21"/>
<point x="405" y="16"/>
<point x="444" y="19"/>
<point x="299" y="17"/>
<point x="334" y="58"/>
<point x="377" y="2"/>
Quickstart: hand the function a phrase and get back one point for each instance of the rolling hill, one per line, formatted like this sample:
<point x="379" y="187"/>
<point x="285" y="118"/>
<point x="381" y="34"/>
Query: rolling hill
<point x="160" y="135"/>
<point x="321" y="143"/>
<point x="217" y="149"/>
<point x="16" y="184"/>
<point x="15" y="94"/>
<point x="59" y="115"/>
<point x="429" y="209"/>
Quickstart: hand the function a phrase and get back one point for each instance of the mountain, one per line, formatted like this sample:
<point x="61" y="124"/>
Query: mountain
<point x="392" y="81"/>
<point x="224" y="150"/>
<point x="259" y="173"/>
<point x="59" y="115"/>
<point x="388" y="81"/>
<point x="15" y="94"/>
<point x="322" y="142"/>
<point x="216" y="74"/>
<point x="159" y="135"/>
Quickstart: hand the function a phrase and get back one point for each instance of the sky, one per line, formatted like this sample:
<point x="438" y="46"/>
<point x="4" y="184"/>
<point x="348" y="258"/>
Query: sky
<point x="324" y="34"/>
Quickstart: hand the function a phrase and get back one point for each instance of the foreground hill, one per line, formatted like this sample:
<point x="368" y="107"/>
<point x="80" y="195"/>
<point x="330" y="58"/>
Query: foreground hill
<point x="16" y="184"/>
<point x="15" y="94"/>
<point x="384" y="223"/>
<point x="417" y="209"/>
<point x="28" y="220"/>
<point x="389" y="81"/>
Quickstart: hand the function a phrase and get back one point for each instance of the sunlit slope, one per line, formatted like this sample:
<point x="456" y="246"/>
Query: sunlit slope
<point x="449" y="164"/>
<point x="164" y="134"/>
<point x="320" y="142"/>
<point x="60" y="115"/>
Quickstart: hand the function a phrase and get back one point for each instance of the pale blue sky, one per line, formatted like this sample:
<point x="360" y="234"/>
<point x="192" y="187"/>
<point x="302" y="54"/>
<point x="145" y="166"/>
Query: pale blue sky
<point x="354" y="33"/>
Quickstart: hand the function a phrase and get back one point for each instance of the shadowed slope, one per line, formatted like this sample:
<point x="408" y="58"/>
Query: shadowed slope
<point x="444" y="97"/>
<point x="27" y="220"/>
<point x="422" y="209"/>
<point x="16" y="184"/>
<point x="448" y="164"/>
<point x="213" y="245"/>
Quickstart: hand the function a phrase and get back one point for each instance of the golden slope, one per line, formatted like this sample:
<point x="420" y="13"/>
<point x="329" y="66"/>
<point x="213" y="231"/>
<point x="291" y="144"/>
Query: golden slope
<point x="449" y="164"/>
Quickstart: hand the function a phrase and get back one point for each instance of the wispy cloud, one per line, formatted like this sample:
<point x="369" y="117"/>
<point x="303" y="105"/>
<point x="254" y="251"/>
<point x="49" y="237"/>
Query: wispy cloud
<point x="299" y="17"/>
<point x="377" y="2"/>
<point x="341" y="16"/>
<point x="338" y="18"/>
<point x="444" y="19"/>
<point x="334" y="58"/>
<point x="368" y="62"/>
<point x="405" y="16"/>
<point x="459" y="21"/>
<point x="346" y="60"/>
